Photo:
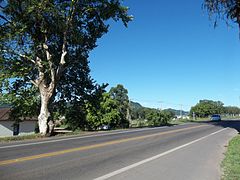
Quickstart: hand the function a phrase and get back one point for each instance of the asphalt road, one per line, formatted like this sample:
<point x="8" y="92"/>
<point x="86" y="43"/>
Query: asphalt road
<point x="190" y="151"/>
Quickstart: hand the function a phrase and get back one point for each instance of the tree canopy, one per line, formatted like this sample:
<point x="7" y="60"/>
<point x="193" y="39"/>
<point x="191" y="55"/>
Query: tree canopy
<point x="120" y="95"/>
<point x="45" y="45"/>
<point x="207" y="107"/>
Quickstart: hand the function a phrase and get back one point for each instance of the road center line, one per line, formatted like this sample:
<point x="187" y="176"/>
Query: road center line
<point x="79" y="137"/>
<point x="114" y="173"/>
<point x="56" y="153"/>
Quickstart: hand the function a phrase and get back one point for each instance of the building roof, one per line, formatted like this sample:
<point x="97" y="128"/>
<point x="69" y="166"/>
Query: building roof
<point x="4" y="115"/>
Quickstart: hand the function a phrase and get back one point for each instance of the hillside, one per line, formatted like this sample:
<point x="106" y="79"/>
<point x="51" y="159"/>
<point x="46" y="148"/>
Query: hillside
<point x="135" y="106"/>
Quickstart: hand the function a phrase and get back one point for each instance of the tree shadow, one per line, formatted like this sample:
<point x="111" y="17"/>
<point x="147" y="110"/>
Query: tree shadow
<point x="235" y="124"/>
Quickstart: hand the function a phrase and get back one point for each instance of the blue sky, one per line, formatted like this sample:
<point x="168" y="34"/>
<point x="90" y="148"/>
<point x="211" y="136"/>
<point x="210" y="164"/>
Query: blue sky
<point x="169" y="55"/>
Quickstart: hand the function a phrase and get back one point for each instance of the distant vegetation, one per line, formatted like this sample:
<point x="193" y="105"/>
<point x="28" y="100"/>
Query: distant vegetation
<point x="143" y="116"/>
<point x="114" y="109"/>
<point x="205" y="108"/>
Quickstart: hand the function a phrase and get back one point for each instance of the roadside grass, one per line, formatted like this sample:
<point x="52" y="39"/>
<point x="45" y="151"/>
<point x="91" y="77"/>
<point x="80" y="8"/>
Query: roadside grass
<point x="231" y="162"/>
<point x="20" y="137"/>
<point x="38" y="136"/>
<point x="182" y="121"/>
<point x="230" y="117"/>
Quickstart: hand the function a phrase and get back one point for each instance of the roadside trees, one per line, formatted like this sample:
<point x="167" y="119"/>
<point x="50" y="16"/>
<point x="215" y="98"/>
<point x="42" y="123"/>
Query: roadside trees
<point x="120" y="95"/>
<point x="232" y="110"/>
<point x="207" y="107"/>
<point x="106" y="113"/>
<point x="45" y="44"/>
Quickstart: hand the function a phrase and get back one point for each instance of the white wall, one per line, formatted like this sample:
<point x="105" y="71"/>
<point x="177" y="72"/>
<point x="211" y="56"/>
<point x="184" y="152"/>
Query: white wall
<point x="26" y="127"/>
<point x="6" y="128"/>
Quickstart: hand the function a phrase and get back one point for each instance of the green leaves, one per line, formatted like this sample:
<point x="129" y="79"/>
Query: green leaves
<point x="47" y="43"/>
<point x="120" y="95"/>
<point x="106" y="113"/>
<point x="207" y="107"/>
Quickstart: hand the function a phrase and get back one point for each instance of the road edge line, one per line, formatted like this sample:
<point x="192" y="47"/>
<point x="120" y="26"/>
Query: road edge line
<point x="80" y="137"/>
<point x="124" y="169"/>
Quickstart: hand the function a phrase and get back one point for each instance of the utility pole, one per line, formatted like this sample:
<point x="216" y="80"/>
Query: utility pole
<point x="128" y="112"/>
<point x="161" y="105"/>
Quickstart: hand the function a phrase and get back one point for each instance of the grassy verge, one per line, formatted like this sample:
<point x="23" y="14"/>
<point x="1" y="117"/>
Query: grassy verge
<point x="181" y="121"/>
<point x="38" y="136"/>
<point x="231" y="163"/>
<point x="20" y="138"/>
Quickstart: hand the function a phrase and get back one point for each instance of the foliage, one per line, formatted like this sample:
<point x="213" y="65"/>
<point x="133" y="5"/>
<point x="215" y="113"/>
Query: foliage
<point x="157" y="118"/>
<point x="224" y="9"/>
<point x="45" y="44"/>
<point x="232" y="110"/>
<point x="120" y="95"/>
<point x="105" y="114"/>
<point x="143" y="116"/>
<point x="20" y="138"/>
<point x="75" y="117"/>
<point x="136" y="110"/>
<point x="207" y="107"/>
<point x="24" y="103"/>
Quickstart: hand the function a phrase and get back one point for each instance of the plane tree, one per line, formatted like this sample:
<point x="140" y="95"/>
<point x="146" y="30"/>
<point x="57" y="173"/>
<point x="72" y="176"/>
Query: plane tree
<point x="44" y="44"/>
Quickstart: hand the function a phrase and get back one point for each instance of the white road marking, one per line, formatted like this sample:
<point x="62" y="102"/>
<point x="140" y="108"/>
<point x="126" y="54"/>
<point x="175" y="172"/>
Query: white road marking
<point x="114" y="173"/>
<point x="80" y="137"/>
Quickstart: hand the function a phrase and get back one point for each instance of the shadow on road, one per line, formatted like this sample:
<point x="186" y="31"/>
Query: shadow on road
<point x="235" y="124"/>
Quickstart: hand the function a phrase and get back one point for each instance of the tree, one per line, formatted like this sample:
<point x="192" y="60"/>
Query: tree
<point x="106" y="113"/>
<point x="45" y="44"/>
<point x="224" y="9"/>
<point x="120" y="94"/>
<point x="232" y="110"/>
<point x="156" y="117"/>
<point x="207" y="107"/>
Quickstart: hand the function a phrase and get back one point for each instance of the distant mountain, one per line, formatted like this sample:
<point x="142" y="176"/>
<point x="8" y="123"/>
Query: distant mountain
<point x="177" y="112"/>
<point x="135" y="105"/>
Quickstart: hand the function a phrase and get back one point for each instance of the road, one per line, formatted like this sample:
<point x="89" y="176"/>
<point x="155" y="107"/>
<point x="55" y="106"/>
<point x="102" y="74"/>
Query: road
<point x="189" y="151"/>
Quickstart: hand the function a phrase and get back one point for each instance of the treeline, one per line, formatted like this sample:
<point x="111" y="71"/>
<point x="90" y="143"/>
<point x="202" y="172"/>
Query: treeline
<point x="205" y="108"/>
<point x="113" y="108"/>
<point x="87" y="108"/>
<point x="103" y="108"/>
<point x="143" y="116"/>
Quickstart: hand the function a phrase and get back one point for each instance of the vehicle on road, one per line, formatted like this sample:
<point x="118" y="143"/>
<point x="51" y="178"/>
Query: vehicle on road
<point x="215" y="117"/>
<point x="104" y="127"/>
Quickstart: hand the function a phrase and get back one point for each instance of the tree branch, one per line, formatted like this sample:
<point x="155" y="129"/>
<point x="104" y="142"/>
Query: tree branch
<point x="64" y="46"/>
<point x="50" y="63"/>
<point x="41" y="74"/>
<point x="34" y="83"/>
<point x="21" y="55"/>
<point x="28" y="58"/>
